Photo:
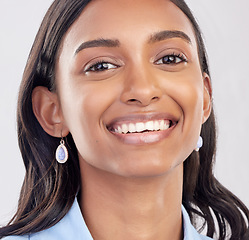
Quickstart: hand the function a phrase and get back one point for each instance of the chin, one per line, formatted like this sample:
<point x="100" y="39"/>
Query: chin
<point x="147" y="169"/>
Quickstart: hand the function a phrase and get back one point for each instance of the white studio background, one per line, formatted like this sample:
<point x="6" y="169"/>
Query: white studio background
<point x="225" y="27"/>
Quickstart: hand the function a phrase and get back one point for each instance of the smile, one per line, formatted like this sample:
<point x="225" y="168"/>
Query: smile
<point x="142" y="130"/>
<point x="140" y="127"/>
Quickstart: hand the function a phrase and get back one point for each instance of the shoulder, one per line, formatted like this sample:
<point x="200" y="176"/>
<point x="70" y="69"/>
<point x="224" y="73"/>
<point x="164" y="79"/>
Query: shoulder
<point x="72" y="226"/>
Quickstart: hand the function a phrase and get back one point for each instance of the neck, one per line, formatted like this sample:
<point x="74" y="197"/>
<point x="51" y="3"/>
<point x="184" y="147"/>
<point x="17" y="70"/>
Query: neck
<point x="121" y="208"/>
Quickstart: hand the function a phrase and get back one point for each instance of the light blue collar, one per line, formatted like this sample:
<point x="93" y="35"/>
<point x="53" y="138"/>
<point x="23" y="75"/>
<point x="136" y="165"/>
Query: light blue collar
<point x="73" y="226"/>
<point x="190" y="232"/>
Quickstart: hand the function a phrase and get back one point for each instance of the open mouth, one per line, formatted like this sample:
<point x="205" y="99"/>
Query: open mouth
<point x="141" y="127"/>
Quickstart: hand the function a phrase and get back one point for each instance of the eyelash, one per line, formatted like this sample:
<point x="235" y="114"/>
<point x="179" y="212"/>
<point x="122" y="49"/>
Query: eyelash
<point x="101" y="62"/>
<point x="170" y="59"/>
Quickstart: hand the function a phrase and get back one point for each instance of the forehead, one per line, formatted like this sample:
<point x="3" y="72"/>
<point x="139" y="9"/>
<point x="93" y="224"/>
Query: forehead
<point x="127" y="20"/>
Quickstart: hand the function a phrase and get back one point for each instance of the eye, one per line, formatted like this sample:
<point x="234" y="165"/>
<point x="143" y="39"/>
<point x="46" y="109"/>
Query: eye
<point x="100" y="66"/>
<point x="171" y="59"/>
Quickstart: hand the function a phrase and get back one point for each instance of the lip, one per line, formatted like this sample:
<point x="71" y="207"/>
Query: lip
<point x="141" y="138"/>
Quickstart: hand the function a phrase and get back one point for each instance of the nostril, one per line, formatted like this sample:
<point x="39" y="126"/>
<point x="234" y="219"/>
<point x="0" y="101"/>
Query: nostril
<point x="155" y="98"/>
<point x="134" y="101"/>
<point x="143" y="101"/>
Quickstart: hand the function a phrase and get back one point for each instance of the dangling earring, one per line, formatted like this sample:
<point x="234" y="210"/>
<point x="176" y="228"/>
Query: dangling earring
<point x="61" y="152"/>
<point x="199" y="144"/>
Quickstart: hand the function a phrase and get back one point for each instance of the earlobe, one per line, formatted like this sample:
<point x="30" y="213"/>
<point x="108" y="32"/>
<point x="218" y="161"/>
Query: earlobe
<point x="47" y="110"/>
<point x="207" y="97"/>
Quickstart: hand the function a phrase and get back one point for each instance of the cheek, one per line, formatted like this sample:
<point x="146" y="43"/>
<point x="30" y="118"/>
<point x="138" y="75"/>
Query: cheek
<point x="186" y="89"/>
<point x="192" y="105"/>
<point x="83" y="110"/>
<point x="191" y="101"/>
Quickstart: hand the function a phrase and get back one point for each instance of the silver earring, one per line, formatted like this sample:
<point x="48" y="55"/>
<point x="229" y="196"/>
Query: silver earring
<point x="61" y="152"/>
<point x="199" y="144"/>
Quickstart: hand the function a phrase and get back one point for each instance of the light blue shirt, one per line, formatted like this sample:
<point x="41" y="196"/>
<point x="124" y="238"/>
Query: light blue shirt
<point x="73" y="226"/>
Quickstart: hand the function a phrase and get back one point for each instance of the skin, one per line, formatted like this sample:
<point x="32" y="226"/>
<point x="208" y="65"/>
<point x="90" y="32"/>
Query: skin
<point x="131" y="184"/>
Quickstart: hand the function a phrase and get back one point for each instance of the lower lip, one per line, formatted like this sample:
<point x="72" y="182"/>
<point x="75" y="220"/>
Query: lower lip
<point x="145" y="137"/>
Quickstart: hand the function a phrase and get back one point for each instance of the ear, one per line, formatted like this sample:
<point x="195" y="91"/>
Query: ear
<point x="47" y="110"/>
<point x="207" y="97"/>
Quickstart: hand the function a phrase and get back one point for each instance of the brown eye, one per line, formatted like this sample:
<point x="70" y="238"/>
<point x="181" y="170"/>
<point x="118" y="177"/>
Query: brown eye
<point x="171" y="59"/>
<point x="100" y="66"/>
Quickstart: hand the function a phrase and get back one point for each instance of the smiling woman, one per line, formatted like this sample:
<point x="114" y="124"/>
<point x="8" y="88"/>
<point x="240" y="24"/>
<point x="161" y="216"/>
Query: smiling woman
<point x="133" y="124"/>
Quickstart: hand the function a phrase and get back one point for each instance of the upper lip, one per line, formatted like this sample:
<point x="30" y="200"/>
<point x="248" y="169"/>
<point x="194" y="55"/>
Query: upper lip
<point x="141" y="117"/>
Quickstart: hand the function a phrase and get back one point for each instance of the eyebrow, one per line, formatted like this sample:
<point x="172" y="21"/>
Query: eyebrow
<point x="163" y="35"/>
<point x="101" y="42"/>
<point x="156" y="37"/>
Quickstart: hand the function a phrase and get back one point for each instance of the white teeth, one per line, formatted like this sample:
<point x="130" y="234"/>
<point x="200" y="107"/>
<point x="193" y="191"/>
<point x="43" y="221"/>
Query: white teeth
<point x="140" y="127"/>
<point x="149" y="125"/>
<point x="166" y="125"/>
<point x="132" y="127"/>
<point x="143" y="126"/>
<point x="156" y="125"/>
<point x="161" y="125"/>
<point x="119" y="129"/>
<point x="125" y="128"/>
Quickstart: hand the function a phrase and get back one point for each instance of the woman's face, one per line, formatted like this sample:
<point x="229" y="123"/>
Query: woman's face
<point x="130" y="86"/>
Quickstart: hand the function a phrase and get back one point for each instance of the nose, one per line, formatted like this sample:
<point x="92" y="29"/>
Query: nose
<point x="141" y="88"/>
